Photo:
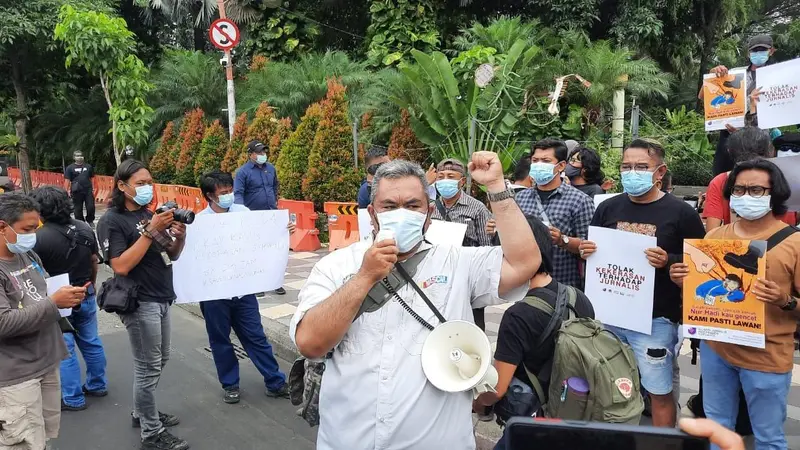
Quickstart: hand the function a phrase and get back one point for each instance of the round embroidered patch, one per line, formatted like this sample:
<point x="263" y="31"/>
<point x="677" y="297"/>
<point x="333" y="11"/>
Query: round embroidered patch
<point x="625" y="386"/>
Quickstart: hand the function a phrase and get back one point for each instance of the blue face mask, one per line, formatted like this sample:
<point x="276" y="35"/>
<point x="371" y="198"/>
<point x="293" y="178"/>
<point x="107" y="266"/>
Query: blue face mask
<point x="448" y="188"/>
<point x="24" y="244"/>
<point x="407" y="227"/>
<point x="261" y="159"/>
<point x="144" y="195"/>
<point x="225" y="200"/>
<point x="542" y="173"/>
<point x="751" y="208"/>
<point x="759" y="58"/>
<point x="637" y="183"/>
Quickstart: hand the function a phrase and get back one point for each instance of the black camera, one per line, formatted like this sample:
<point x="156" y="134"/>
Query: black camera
<point x="181" y="215"/>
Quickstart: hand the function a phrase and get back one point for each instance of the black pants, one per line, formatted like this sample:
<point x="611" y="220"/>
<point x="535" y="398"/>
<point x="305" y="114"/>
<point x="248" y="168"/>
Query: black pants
<point x="480" y="318"/>
<point x="81" y="199"/>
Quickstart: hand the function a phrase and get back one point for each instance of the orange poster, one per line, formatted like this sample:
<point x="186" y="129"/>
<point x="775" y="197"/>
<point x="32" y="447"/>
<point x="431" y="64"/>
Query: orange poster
<point x="725" y="99"/>
<point x="718" y="304"/>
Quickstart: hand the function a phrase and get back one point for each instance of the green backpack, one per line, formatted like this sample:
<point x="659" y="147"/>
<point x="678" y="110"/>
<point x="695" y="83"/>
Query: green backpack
<point x="586" y="356"/>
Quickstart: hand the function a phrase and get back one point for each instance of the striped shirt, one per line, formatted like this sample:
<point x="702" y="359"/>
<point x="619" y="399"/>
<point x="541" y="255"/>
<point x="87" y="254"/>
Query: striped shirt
<point x="569" y="210"/>
<point x="470" y="211"/>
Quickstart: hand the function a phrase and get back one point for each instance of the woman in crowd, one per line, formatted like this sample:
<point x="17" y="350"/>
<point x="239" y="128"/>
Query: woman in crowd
<point x="757" y="191"/>
<point x="141" y="246"/>
<point x="583" y="171"/>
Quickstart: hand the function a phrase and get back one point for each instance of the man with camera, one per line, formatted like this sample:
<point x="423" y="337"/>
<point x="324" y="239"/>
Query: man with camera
<point x="31" y="346"/>
<point x="256" y="184"/>
<point x="373" y="388"/>
<point x="140" y="247"/>
<point x="66" y="245"/>
<point x="239" y="313"/>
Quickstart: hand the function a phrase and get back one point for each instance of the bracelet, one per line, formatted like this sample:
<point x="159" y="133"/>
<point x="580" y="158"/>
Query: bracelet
<point x="147" y="234"/>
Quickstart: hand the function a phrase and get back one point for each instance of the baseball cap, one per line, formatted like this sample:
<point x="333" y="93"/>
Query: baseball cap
<point x="571" y="145"/>
<point x="762" y="40"/>
<point x="256" y="147"/>
<point x="451" y="164"/>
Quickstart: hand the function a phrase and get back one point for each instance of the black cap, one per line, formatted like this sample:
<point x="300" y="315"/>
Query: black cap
<point x="256" y="147"/>
<point x="762" y="40"/>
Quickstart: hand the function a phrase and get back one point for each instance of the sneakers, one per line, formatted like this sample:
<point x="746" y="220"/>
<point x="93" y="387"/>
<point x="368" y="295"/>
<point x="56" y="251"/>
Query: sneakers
<point x="280" y="291"/>
<point x="280" y="393"/>
<point x="66" y="407"/>
<point x="167" y="420"/>
<point x="164" y="441"/>
<point x="231" y="396"/>
<point x="89" y="393"/>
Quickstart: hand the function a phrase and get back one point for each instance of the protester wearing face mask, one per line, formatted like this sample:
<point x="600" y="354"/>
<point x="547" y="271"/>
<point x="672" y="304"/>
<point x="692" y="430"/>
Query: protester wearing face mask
<point x="141" y="246"/>
<point x="78" y="184"/>
<point x="759" y="50"/>
<point x="374" y="392"/>
<point x="648" y="210"/>
<point x="256" y="184"/>
<point x="238" y="313"/>
<point x="31" y="346"/>
<point x="584" y="173"/>
<point x="564" y="209"/>
<point x="758" y="192"/>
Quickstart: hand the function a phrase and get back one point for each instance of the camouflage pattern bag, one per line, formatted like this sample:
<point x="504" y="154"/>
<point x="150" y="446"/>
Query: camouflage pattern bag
<point x="305" y="380"/>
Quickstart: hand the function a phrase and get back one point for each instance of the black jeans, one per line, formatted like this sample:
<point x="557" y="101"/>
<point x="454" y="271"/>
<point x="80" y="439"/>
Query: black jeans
<point x="81" y="199"/>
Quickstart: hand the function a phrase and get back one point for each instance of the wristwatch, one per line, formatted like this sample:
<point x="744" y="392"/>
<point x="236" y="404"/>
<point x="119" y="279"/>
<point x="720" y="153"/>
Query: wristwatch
<point x="500" y="196"/>
<point x="565" y="240"/>
<point x="791" y="305"/>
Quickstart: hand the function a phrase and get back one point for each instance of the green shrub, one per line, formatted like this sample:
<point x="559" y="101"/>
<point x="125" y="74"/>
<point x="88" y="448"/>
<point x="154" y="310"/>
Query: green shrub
<point x="260" y="129"/>
<point x="212" y="150"/>
<point x="189" y="140"/>
<point x="332" y="176"/>
<point x="293" y="158"/>
<point x="236" y="146"/>
<point x="283" y="129"/>
<point x="161" y="165"/>
<point x="404" y="144"/>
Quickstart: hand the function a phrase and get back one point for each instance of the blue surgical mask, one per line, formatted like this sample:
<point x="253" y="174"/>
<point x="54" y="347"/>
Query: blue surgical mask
<point x="144" y="195"/>
<point x="225" y="200"/>
<point x="448" y="188"/>
<point x="751" y="208"/>
<point x="542" y="173"/>
<point x="407" y="226"/>
<point x="637" y="183"/>
<point x="759" y="58"/>
<point x="24" y="244"/>
<point x="261" y="159"/>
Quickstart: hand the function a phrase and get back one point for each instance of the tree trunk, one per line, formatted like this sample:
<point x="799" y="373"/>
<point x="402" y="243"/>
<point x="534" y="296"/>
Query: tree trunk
<point x="709" y="18"/>
<point x="21" y="121"/>
<point x="117" y="153"/>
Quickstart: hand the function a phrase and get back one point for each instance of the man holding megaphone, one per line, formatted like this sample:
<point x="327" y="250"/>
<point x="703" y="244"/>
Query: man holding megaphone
<point x="359" y="311"/>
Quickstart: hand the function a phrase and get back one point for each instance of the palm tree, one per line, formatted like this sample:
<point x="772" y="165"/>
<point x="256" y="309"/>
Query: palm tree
<point x="187" y="80"/>
<point x="501" y="34"/>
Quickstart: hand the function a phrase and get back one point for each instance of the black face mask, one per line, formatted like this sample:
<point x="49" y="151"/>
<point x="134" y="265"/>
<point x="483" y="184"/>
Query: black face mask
<point x="572" y="171"/>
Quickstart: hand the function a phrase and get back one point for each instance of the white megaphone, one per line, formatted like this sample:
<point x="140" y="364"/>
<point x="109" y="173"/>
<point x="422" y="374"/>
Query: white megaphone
<point x="457" y="357"/>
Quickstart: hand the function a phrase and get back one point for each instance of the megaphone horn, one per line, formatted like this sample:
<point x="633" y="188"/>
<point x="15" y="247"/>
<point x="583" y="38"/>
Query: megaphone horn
<point x="457" y="357"/>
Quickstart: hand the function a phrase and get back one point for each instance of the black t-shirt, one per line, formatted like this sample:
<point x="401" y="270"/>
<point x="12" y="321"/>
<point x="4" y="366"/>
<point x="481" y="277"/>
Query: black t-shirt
<point x="67" y="249"/>
<point x="589" y="189"/>
<point x="118" y="231"/>
<point x="544" y="196"/>
<point x="523" y="324"/>
<point x="671" y="221"/>
<point x="80" y="176"/>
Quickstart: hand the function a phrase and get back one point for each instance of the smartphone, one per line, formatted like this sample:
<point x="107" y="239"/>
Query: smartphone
<point x="523" y="433"/>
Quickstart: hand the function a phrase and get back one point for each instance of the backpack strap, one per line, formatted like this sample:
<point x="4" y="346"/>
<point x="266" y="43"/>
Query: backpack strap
<point x="780" y="235"/>
<point x="442" y="210"/>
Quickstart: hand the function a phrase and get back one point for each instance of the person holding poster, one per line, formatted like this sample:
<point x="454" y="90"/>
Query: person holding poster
<point x="239" y="313"/>
<point x="141" y="246"/>
<point x="758" y="192"/>
<point x="648" y="210"/>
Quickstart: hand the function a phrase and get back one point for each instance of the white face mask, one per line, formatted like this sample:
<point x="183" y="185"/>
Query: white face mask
<point x="751" y="208"/>
<point x="407" y="226"/>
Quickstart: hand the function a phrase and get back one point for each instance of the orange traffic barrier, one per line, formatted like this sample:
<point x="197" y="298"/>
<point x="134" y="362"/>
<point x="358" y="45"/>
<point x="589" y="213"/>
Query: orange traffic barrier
<point x="15" y="176"/>
<point x="342" y="224"/>
<point x="306" y="236"/>
<point x="103" y="186"/>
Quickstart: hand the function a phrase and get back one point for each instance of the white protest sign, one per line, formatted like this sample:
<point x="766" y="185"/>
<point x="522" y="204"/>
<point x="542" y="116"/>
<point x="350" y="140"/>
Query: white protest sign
<point x="231" y="255"/>
<point x="55" y="283"/>
<point x="779" y="102"/>
<point x="439" y="232"/>
<point x="619" y="280"/>
<point x="600" y="198"/>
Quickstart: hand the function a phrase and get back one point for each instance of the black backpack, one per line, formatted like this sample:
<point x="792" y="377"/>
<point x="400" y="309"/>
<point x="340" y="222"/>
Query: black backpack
<point x="695" y="403"/>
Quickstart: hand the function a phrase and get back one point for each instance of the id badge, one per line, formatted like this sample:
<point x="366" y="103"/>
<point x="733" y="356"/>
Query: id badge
<point x="165" y="258"/>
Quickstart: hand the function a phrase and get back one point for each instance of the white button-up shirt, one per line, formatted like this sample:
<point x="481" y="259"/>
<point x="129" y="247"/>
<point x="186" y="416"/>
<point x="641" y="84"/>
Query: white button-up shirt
<point x="374" y="393"/>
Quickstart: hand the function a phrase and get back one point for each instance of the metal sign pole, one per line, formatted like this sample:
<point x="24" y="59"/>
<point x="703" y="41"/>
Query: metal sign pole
<point x="229" y="77"/>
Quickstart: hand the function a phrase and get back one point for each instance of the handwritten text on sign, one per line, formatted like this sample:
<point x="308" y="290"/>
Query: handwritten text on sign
<point x="231" y="255"/>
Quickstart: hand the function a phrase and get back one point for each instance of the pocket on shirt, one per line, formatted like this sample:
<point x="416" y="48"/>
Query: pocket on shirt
<point x="414" y="333"/>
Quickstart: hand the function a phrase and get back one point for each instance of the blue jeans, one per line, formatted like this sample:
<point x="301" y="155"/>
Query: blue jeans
<point x="242" y="315"/>
<point x="654" y="353"/>
<point x="766" y="395"/>
<point x="85" y="323"/>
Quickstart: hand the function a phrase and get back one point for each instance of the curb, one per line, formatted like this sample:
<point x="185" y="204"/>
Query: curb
<point x="486" y="434"/>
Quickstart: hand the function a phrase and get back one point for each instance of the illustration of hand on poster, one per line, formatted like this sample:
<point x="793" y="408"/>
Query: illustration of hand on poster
<point x="718" y="304"/>
<point x="724" y="99"/>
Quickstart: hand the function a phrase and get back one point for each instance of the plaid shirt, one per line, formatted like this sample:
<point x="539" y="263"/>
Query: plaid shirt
<point x="470" y="211"/>
<point x="569" y="210"/>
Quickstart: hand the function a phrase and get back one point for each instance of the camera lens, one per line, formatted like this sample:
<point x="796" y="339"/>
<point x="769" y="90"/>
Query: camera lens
<point x="184" y="216"/>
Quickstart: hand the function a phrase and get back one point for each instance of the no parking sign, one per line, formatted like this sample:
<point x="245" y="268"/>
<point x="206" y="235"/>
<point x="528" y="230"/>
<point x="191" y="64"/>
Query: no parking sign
<point x="224" y="34"/>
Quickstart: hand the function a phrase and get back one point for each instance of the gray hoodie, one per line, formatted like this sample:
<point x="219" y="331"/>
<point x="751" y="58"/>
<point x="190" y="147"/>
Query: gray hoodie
<point x="31" y="343"/>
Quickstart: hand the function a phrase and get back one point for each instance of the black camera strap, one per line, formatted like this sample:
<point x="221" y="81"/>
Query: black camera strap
<point x="424" y="297"/>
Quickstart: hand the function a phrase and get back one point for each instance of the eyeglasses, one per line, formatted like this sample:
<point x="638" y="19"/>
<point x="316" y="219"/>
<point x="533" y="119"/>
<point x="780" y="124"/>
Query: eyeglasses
<point x="754" y="191"/>
<point x="634" y="167"/>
